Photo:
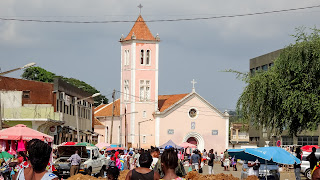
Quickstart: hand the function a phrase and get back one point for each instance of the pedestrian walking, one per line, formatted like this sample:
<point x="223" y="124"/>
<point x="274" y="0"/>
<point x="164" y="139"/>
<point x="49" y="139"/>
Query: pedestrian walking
<point x="195" y="160"/>
<point x="170" y="162"/>
<point x="221" y="159"/>
<point x="155" y="153"/>
<point x="39" y="155"/>
<point x="234" y="163"/>
<point x="75" y="160"/>
<point x="113" y="173"/>
<point x="253" y="168"/>
<point x="226" y="160"/>
<point x="297" y="167"/>
<point x="204" y="156"/>
<point x="211" y="158"/>
<point x="312" y="158"/>
<point x="143" y="172"/>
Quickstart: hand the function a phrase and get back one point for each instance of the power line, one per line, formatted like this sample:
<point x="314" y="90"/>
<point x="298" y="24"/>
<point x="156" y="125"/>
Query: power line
<point x="159" y="20"/>
<point x="182" y="108"/>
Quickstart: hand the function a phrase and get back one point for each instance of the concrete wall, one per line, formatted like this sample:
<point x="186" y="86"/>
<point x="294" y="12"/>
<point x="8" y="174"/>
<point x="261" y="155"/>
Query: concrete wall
<point x="265" y="59"/>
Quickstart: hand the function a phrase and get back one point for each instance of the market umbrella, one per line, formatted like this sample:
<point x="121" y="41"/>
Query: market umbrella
<point x="273" y="154"/>
<point x="308" y="148"/>
<point x="84" y="144"/>
<point x="187" y="145"/>
<point x="21" y="131"/>
<point x="67" y="144"/>
<point x="102" y="145"/>
<point x="5" y="154"/>
<point x="170" y="143"/>
<point x="114" y="148"/>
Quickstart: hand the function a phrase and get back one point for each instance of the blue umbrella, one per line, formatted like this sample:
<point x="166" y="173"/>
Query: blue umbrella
<point x="271" y="154"/>
<point x="241" y="154"/>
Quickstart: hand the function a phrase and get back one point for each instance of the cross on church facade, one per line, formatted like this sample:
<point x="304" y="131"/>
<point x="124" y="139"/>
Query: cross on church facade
<point x="193" y="83"/>
<point x="140" y="7"/>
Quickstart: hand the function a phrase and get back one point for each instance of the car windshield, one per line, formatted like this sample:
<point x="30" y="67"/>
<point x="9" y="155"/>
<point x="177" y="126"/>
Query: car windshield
<point x="88" y="151"/>
<point x="270" y="166"/>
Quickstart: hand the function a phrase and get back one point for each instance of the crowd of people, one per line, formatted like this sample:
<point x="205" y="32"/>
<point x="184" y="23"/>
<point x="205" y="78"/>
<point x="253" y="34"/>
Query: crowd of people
<point x="166" y="164"/>
<point x="156" y="164"/>
<point x="143" y="164"/>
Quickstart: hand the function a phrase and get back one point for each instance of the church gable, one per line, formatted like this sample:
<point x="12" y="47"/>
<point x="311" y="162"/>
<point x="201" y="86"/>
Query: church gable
<point x="166" y="101"/>
<point x="170" y="103"/>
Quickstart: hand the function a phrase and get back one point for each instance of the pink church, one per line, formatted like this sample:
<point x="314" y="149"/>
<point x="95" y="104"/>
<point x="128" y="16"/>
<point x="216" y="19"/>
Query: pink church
<point x="144" y="118"/>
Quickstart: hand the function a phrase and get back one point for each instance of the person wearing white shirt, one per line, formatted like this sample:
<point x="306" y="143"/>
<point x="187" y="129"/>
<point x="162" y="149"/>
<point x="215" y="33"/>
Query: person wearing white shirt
<point x="253" y="168"/>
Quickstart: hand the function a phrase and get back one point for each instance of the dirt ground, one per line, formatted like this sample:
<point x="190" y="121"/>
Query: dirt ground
<point x="219" y="172"/>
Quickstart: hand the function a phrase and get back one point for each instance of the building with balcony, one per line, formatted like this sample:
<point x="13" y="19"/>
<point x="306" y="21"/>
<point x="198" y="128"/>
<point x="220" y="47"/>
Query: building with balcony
<point x="239" y="136"/>
<point x="46" y="107"/>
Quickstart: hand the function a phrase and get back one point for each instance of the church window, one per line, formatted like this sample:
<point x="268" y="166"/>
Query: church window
<point x="144" y="114"/>
<point x="144" y="90"/>
<point x="141" y="93"/>
<point x="144" y="139"/>
<point x="148" y="57"/>
<point x="193" y="113"/>
<point x="142" y="56"/>
<point x="147" y="90"/>
<point x="126" y="90"/>
<point x="125" y="57"/>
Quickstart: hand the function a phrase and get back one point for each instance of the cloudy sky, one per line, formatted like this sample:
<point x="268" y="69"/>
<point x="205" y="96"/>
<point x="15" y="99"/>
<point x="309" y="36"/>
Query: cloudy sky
<point x="198" y="50"/>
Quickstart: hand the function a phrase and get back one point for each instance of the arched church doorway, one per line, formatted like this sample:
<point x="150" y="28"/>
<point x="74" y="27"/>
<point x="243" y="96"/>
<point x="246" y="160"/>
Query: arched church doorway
<point x="196" y="139"/>
<point x="192" y="140"/>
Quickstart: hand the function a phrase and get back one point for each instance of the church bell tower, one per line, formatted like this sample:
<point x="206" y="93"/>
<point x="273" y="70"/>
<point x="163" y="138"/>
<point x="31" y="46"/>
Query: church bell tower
<point x="139" y="85"/>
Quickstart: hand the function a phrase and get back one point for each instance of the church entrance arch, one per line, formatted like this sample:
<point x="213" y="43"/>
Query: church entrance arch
<point x="192" y="140"/>
<point x="195" y="138"/>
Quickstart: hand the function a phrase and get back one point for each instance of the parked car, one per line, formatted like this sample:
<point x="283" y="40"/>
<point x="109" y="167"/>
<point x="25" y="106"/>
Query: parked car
<point x="92" y="162"/>
<point x="305" y="165"/>
<point x="272" y="170"/>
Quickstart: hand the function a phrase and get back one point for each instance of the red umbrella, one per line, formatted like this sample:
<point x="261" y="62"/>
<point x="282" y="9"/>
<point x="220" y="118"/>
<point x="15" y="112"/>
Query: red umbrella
<point x="67" y="143"/>
<point x="308" y="148"/>
<point x="21" y="131"/>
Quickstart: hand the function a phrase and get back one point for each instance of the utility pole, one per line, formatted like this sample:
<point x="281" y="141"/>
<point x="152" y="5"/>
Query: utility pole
<point x="111" y="129"/>
<point x="125" y="127"/>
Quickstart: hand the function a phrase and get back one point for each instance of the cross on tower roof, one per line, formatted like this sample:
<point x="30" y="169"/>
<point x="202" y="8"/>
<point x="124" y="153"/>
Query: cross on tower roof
<point x="193" y="83"/>
<point x="140" y="7"/>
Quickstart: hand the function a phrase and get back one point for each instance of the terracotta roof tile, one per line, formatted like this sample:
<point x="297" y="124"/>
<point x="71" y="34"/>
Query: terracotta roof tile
<point x="99" y="107"/>
<point x="106" y="110"/>
<point x="141" y="31"/>
<point x="166" y="101"/>
<point x="97" y="122"/>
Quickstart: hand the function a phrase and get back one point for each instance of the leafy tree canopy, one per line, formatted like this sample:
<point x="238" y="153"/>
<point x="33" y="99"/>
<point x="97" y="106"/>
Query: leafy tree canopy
<point x="287" y="96"/>
<point x="40" y="74"/>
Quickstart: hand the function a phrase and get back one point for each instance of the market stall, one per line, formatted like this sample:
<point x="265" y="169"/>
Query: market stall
<point x="14" y="139"/>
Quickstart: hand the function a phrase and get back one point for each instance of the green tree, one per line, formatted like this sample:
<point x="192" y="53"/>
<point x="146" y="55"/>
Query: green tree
<point x="288" y="95"/>
<point x="40" y="74"/>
